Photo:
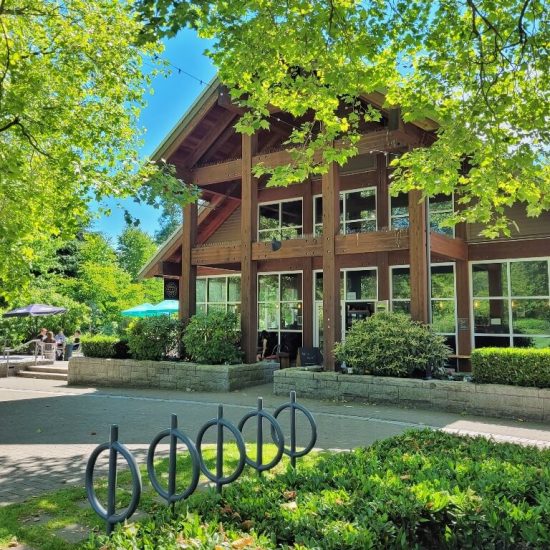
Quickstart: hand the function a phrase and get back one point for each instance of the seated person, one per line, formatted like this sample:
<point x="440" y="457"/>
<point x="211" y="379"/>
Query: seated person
<point x="267" y="342"/>
<point x="60" y="338"/>
<point x="42" y="335"/>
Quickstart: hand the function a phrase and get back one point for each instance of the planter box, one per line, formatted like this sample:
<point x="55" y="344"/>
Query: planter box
<point x="484" y="399"/>
<point x="90" y="371"/>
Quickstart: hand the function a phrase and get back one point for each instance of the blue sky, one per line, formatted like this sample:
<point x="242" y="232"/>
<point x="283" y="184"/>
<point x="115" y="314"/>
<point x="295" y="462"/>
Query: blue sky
<point x="172" y="97"/>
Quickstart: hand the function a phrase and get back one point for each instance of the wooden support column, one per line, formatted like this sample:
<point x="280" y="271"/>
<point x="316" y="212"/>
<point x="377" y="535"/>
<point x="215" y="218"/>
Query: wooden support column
<point x="249" y="215"/>
<point x="463" y="304"/>
<point x="331" y="274"/>
<point x="307" y="303"/>
<point x="188" y="279"/>
<point x="418" y="257"/>
<point x="383" y="222"/>
<point x="307" y="277"/>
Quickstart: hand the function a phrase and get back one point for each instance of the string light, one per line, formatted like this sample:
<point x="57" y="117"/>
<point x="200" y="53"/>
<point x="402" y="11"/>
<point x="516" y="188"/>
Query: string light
<point x="179" y="70"/>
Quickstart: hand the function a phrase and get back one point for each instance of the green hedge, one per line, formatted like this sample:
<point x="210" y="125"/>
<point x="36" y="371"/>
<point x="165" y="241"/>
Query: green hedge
<point x="104" y="346"/>
<point x="422" y="489"/>
<point x="514" y="366"/>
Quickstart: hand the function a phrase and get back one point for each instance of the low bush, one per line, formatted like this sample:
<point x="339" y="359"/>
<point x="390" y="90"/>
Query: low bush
<point x="99" y="346"/>
<point x="391" y="344"/>
<point x="213" y="339"/>
<point x="155" y="338"/>
<point x="514" y="366"/>
<point x="422" y="489"/>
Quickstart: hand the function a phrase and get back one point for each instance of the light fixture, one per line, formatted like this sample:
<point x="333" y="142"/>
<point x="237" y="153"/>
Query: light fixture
<point x="275" y="245"/>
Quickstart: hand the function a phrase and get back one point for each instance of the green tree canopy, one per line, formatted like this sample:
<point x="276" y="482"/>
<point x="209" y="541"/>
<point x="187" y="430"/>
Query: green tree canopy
<point x="72" y="83"/>
<point x="134" y="249"/>
<point x="477" y="67"/>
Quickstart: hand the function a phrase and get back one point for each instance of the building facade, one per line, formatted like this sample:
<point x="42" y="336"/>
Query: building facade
<point x="304" y="262"/>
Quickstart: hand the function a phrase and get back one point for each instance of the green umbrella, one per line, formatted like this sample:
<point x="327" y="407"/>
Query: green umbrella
<point x="166" y="307"/>
<point x="143" y="310"/>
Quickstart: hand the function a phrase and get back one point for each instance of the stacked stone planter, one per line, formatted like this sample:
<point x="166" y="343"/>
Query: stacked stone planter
<point x="484" y="399"/>
<point x="90" y="371"/>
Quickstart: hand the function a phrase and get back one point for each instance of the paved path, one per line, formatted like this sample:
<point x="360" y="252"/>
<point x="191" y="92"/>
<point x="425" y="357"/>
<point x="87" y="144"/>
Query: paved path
<point x="47" y="429"/>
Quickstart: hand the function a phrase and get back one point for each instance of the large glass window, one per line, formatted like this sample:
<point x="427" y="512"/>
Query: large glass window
<point x="441" y="207"/>
<point x="218" y="294"/>
<point x="357" y="211"/>
<point x="511" y="303"/>
<point x="442" y="300"/>
<point x="399" y="211"/>
<point x="359" y="295"/>
<point x="280" y="220"/>
<point x="280" y="310"/>
<point x="401" y="289"/>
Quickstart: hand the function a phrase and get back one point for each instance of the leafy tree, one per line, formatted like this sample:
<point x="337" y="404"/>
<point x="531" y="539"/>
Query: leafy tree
<point x="134" y="248"/>
<point x="170" y="219"/>
<point x="477" y="67"/>
<point x="71" y="87"/>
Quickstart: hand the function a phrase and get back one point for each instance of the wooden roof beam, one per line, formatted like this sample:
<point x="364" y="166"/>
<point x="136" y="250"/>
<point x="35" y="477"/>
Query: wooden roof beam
<point x="454" y="249"/>
<point x="382" y="140"/>
<point x="210" y="138"/>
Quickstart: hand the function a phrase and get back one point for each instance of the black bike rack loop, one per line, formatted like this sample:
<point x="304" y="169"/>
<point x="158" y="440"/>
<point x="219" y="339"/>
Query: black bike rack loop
<point x="279" y="440"/>
<point x="197" y="461"/>
<point x="175" y="435"/>
<point x="109" y="514"/>
<point x="218" y="478"/>
<point x="293" y="407"/>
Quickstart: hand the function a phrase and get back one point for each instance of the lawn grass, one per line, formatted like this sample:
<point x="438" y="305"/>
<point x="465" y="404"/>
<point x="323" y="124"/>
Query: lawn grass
<point x="37" y="521"/>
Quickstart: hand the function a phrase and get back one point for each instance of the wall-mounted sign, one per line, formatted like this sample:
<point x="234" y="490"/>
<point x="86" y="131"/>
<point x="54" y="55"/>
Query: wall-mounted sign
<point x="171" y="289"/>
<point x="463" y="323"/>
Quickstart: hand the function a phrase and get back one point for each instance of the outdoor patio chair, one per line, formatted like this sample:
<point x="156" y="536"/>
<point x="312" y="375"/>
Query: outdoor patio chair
<point x="49" y="350"/>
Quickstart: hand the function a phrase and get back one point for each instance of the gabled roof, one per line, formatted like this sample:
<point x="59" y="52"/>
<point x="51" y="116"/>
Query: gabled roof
<point x="207" y="96"/>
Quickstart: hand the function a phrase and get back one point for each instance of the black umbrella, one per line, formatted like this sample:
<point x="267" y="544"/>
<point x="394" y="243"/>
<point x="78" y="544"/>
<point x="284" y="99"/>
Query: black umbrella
<point x="34" y="310"/>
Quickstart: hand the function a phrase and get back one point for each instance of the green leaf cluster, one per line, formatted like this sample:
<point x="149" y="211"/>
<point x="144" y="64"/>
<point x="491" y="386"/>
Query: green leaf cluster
<point x="155" y="338"/>
<point x="213" y="339"/>
<point x="514" y="366"/>
<point x="72" y="83"/>
<point x="391" y="344"/>
<point x="478" y="68"/>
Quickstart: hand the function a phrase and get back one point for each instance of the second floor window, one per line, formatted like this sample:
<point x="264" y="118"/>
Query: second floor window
<point x="441" y="207"/>
<point x="357" y="211"/>
<point x="280" y="220"/>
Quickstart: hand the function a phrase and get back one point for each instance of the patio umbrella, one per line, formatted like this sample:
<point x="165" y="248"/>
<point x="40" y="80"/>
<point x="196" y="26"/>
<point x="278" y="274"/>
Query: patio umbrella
<point x="143" y="310"/>
<point x="166" y="307"/>
<point x="34" y="310"/>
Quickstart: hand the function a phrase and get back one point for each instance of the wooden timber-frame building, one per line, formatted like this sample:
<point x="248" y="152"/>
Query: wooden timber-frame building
<point x="304" y="262"/>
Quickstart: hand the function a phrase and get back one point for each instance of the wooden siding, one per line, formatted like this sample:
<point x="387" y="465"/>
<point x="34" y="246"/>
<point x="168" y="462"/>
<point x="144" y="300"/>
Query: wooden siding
<point x="229" y="231"/>
<point x="528" y="227"/>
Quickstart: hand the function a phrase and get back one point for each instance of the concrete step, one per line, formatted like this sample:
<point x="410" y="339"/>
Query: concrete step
<point x="43" y="375"/>
<point x="47" y="368"/>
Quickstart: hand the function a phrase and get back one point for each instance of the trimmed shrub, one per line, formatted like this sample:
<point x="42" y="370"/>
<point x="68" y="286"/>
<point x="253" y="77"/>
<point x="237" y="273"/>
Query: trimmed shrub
<point x="99" y="346"/>
<point x="391" y="344"/>
<point x="213" y="339"/>
<point x="514" y="366"/>
<point x="155" y="338"/>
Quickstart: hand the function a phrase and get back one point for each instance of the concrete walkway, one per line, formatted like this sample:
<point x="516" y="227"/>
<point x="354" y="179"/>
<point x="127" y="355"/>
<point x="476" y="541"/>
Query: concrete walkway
<point x="47" y="429"/>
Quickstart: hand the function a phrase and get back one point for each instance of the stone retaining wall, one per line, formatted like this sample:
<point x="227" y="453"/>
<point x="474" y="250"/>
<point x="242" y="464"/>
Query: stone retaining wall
<point x="167" y="374"/>
<point x="485" y="399"/>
